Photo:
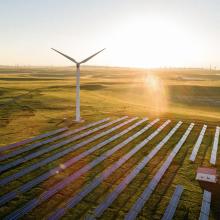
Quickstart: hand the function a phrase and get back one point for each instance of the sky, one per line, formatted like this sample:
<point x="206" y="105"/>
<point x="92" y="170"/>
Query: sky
<point x="135" y="33"/>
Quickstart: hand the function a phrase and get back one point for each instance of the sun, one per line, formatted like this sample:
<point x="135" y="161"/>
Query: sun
<point x="151" y="42"/>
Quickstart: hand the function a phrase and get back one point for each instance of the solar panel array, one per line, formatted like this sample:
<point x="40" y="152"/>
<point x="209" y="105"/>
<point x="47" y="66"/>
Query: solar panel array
<point x="27" y="186"/>
<point x="62" y="153"/>
<point x="30" y="140"/>
<point x="215" y="146"/>
<point x="65" y="182"/>
<point x="104" y="175"/>
<point x="50" y="140"/>
<point x="171" y="208"/>
<point x="140" y="202"/>
<point x="64" y="143"/>
<point x="123" y="184"/>
<point x="55" y="146"/>
<point x="205" y="208"/>
<point x="198" y="143"/>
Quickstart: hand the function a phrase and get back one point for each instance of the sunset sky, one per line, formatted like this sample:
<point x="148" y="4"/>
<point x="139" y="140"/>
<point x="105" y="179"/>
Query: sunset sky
<point x="136" y="33"/>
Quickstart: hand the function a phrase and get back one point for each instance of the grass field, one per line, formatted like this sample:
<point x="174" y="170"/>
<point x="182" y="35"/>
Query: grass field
<point x="36" y="100"/>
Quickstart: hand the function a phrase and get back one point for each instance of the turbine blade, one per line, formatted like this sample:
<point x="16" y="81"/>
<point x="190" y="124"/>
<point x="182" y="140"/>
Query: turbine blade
<point x="91" y="56"/>
<point x="70" y="58"/>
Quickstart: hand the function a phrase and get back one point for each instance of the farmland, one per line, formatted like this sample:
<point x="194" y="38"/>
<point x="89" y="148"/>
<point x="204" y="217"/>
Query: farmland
<point x="37" y="100"/>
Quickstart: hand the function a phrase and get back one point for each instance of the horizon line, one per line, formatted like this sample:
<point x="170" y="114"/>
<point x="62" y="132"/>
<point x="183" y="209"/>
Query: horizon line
<point x="107" y="66"/>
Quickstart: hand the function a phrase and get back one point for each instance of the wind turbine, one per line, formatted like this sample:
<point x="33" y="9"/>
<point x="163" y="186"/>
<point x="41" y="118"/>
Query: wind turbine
<point x="78" y="78"/>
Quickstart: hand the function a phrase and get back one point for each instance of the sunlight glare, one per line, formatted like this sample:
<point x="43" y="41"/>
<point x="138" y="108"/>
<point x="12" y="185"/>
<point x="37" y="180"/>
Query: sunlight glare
<point x="152" y="82"/>
<point x="155" y="93"/>
<point x="152" y="42"/>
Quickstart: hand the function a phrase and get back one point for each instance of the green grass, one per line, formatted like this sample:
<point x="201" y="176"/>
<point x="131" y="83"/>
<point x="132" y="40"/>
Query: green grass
<point x="42" y="97"/>
<point x="35" y="100"/>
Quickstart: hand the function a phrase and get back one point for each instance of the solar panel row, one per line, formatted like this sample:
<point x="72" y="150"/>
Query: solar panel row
<point x="198" y="143"/>
<point x="205" y="205"/>
<point x="102" y="176"/>
<point x="60" y="185"/>
<point x="30" y="140"/>
<point x="55" y="146"/>
<point x="60" y="154"/>
<point x="205" y="208"/>
<point x="123" y="184"/>
<point x="171" y="208"/>
<point x="50" y="140"/>
<point x="137" y="207"/>
<point x="215" y="146"/>
<point x="27" y="186"/>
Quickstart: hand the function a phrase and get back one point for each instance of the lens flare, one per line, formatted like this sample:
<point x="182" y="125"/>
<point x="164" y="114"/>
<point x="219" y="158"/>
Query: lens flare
<point x="156" y="93"/>
<point x="152" y="82"/>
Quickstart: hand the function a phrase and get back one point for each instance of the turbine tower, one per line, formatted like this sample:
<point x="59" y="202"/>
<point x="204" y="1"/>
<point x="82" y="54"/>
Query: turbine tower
<point x="78" y="78"/>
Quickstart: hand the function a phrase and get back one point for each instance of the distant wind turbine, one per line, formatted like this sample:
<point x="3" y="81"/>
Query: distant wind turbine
<point x="78" y="79"/>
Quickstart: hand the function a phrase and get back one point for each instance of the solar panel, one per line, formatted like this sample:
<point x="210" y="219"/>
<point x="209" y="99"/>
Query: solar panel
<point x="55" y="146"/>
<point x="131" y="215"/>
<point x="114" y="194"/>
<point x="215" y="146"/>
<point x="7" y="197"/>
<point x="207" y="196"/>
<point x="171" y="208"/>
<point x="153" y="183"/>
<point x="106" y="173"/>
<point x="60" y="185"/>
<point x="198" y="143"/>
<point x="30" y="140"/>
<point x="50" y="140"/>
<point x="205" y="208"/>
